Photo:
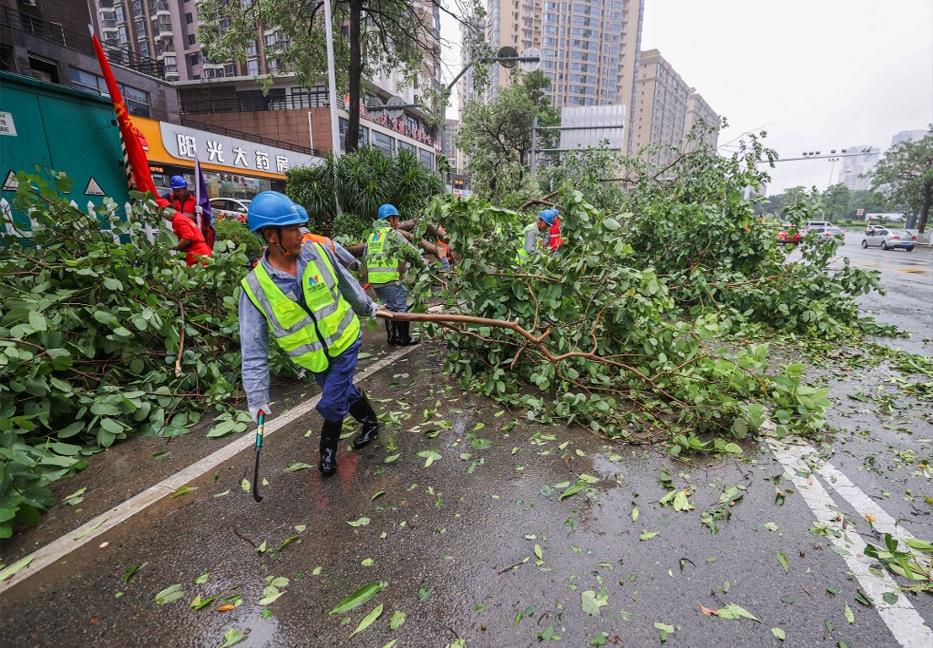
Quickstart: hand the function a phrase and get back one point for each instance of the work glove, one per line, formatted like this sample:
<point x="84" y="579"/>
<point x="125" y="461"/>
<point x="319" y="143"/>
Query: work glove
<point x="254" y="412"/>
<point x="199" y="210"/>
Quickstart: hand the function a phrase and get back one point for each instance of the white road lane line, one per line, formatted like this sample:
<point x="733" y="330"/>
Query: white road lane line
<point x="860" y="501"/>
<point x="902" y="619"/>
<point x="61" y="547"/>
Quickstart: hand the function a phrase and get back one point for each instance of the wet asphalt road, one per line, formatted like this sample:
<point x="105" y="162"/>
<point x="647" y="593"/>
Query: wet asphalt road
<point x="478" y="545"/>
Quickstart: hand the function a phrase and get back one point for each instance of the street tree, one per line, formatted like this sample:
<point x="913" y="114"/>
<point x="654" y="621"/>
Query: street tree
<point x="370" y="36"/>
<point x="497" y="136"/>
<point x="905" y="176"/>
<point x="868" y="201"/>
<point x="836" y="200"/>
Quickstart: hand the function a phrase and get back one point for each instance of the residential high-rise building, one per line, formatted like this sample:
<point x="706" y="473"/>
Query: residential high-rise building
<point x="666" y="108"/>
<point x="659" y="114"/>
<point x="167" y="31"/>
<point x="698" y="111"/>
<point x="909" y="136"/>
<point x="589" y="48"/>
<point x="857" y="171"/>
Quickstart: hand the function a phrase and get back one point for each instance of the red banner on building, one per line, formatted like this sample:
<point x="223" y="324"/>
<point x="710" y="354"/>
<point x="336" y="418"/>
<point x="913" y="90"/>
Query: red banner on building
<point x="134" y="149"/>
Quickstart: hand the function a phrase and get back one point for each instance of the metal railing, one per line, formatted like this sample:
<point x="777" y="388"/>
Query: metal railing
<point x="250" y="137"/>
<point x="315" y="99"/>
<point x="77" y="41"/>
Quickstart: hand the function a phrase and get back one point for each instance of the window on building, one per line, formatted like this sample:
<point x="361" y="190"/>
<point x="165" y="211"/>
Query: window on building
<point x="44" y="69"/>
<point x="194" y="59"/>
<point x="144" y="48"/>
<point x="230" y="69"/>
<point x="192" y="39"/>
<point x="189" y="19"/>
<point x="252" y="67"/>
<point x="384" y="142"/>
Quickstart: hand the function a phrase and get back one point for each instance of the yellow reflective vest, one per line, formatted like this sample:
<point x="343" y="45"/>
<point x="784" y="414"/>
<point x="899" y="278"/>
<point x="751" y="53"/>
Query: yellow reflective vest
<point x="311" y="333"/>
<point x="381" y="263"/>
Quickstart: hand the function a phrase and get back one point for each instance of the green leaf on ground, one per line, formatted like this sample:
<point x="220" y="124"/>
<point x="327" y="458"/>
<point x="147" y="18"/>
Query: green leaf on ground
<point x="200" y="580"/>
<point x="181" y="491"/>
<point x="783" y="560"/>
<point x="368" y="619"/>
<point x="15" y="567"/>
<point x="429" y="456"/>
<point x="232" y="637"/>
<point x="363" y="521"/>
<point x="778" y="633"/>
<point x="128" y="574"/>
<point x="424" y="593"/>
<point x="850" y="616"/>
<point x="733" y="612"/>
<point x="397" y="620"/>
<point x="392" y="458"/>
<point x="169" y="594"/>
<point x="591" y="601"/>
<point x="647" y="535"/>
<point x="295" y="467"/>
<point x="359" y="597"/>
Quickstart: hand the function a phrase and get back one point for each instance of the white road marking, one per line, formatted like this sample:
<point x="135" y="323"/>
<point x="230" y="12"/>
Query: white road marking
<point x="902" y="619"/>
<point x="58" y="549"/>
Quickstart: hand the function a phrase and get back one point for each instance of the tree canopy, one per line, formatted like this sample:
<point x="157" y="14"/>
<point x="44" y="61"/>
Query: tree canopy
<point x="497" y="136"/>
<point x="905" y="176"/>
<point x="369" y="36"/>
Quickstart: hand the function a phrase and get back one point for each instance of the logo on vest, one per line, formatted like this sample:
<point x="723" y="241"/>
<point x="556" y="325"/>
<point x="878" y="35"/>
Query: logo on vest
<point x="315" y="283"/>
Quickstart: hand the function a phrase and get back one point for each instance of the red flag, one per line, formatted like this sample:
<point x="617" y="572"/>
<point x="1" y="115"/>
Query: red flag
<point x="134" y="150"/>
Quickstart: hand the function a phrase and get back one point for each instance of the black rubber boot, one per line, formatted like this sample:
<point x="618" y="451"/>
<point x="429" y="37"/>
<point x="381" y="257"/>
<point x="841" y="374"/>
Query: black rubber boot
<point x="330" y="437"/>
<point x="363" y="412"/>
<point x="404" y="337"/>
<point x="391" y="333"/>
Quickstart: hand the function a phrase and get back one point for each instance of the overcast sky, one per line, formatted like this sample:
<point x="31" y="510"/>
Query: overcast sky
<point x="815" y="74"/>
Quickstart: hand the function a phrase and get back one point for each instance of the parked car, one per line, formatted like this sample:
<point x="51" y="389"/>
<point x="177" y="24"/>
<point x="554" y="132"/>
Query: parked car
<point x="814" y="224"/>
<point x="789" y="234"/>
<point x="890" y="239"/>
<point x="234" y="208"/>
<point x="824" y="234"/>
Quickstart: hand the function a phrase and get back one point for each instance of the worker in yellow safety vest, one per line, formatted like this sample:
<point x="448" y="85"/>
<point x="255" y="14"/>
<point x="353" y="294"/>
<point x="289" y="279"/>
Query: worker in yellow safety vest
<point x="309" y="303"/>
<point x="382" y="262"/>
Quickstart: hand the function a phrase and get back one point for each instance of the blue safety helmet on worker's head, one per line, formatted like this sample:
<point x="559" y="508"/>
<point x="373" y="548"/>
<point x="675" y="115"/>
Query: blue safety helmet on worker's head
<point x="273" y="209"/>
<point x="548" y="215"/>
<point x="178" y="182"/>
<point x="387" y="210"/>
<point x="302" y="212"/>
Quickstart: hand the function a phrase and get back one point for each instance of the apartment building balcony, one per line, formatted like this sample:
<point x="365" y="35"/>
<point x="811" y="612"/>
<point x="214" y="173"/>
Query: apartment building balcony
<point x="159" y="9"/>
<point x="23" y="27"/>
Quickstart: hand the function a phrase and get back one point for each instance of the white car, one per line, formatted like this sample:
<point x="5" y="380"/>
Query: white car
<point x="889" y="239"/>
<point x="235" y="208"/>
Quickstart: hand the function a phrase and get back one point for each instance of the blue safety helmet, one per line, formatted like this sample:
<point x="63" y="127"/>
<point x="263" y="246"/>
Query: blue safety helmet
<point x="548" y="216"/>
<point x="270" y="209"/>
<point x="302" y="212"/>
<point x="387" y="210"/>
<point x="178" y="182"/>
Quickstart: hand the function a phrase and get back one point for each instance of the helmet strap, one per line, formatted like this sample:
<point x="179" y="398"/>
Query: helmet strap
<point x="278" y="229"/>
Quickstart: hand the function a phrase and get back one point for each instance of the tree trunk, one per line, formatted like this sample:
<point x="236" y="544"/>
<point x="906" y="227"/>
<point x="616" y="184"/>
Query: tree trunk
<point x="355" y="75"/>
<point x="927" y="201"/>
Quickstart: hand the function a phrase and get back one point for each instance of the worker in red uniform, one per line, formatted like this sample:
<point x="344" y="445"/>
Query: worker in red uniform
<point x="190" y="239"/>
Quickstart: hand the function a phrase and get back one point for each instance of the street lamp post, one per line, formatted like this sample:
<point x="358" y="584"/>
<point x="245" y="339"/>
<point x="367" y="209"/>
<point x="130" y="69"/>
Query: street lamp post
<point x="829" y="186"/>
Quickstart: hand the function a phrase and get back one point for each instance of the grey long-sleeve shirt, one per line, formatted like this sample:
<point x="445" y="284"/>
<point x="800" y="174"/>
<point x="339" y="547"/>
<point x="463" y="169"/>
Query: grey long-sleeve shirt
<point x="254" y="329"/>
